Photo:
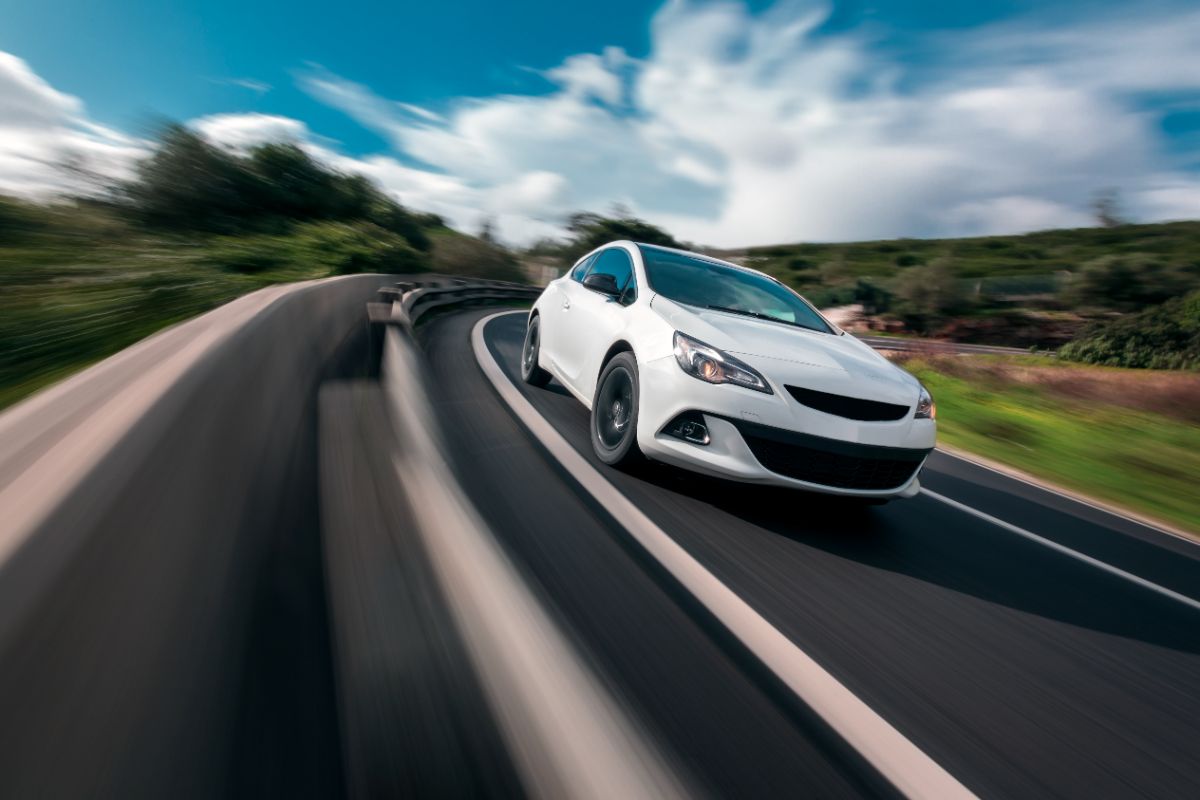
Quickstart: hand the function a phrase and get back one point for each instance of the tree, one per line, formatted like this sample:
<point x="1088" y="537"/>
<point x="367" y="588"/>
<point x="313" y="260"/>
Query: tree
<point x="487" y="231"/>
<point x="1107" y="207"/>
<point x="589" y="231"/>
<point x="874" y="298"/>
<point x="187" y="184"/>
<point x="926" y="295"/>
<point x="190" y="185"/>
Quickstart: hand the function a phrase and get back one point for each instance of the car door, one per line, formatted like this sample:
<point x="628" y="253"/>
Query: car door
<point x="596" y="318"/>
<point x="555" y="316"/>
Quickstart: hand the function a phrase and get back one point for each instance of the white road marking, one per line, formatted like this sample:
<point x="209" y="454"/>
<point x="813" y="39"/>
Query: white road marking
<point x="568" y="735"/>
<point x="901" y="762"/>
<point x="1067" y="551"/>
<point x="1014" y="474"/>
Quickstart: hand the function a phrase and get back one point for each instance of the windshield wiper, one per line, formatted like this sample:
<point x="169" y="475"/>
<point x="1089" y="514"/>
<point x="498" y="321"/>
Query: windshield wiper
<point x="759" y="315"/>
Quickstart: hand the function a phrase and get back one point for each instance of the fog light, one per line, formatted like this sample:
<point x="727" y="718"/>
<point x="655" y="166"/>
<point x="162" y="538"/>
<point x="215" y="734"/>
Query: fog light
<point x="690" y="427"/>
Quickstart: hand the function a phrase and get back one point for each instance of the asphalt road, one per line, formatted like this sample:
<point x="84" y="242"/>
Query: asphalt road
<point x="1022" y="670"/>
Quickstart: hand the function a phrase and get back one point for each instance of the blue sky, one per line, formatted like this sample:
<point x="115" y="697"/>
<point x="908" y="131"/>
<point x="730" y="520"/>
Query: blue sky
<point x="731" y="123"/>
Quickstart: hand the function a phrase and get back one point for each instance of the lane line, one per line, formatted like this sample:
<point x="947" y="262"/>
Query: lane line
<point x="568" y="734"/>
<point x="1063" y="549"/>
<point x="897" y="759"/>
<point x="1013" y="473"/>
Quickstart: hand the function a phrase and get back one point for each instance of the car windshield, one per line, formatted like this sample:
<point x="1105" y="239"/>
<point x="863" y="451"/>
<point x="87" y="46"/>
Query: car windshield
<point x="709" y="284"/>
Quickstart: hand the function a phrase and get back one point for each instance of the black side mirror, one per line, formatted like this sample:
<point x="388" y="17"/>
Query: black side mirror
<point x="603" y="283"/>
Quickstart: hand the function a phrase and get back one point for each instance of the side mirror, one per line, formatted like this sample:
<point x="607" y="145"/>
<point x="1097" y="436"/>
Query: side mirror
<point x="603" y="283"/>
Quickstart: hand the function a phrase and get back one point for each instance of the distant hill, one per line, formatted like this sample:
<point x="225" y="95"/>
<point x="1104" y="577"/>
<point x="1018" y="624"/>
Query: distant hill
<point x="926" y="281"/>
<point x="1041" y="253"/>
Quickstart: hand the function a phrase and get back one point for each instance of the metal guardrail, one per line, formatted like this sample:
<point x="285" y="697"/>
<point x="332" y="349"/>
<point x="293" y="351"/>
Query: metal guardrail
<point x="419" y="296"/>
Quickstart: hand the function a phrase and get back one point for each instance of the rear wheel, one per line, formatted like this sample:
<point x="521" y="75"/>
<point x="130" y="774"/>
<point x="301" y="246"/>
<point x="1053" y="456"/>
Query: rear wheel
<point x="615" y="412"/>
<point x="531" y="373"/>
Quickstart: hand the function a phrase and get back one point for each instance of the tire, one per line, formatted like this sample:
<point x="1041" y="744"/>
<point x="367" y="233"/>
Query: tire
<point x="615" y="412"/>
<point x="531" y="373"/>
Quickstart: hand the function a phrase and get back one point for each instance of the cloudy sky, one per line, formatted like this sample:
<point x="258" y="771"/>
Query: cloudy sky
<point x="729" y="123"/>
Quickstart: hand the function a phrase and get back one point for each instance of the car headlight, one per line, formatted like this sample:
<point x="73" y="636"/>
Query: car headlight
<point x="926" y="408"/>
<point x="714" y="366"/>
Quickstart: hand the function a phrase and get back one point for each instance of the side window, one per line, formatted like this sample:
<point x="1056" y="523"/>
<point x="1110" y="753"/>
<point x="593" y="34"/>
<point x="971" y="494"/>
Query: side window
<point x="616" y="262"/>
<point x="581" y="268"/>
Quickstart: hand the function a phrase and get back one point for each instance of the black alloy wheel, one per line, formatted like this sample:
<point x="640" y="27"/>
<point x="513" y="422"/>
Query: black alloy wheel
<point x="531" y="373"/>
<point x="615" y="412"/>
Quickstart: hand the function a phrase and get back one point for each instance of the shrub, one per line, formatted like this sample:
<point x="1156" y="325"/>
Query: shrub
<point x="345" y="248"/>
<point x="1129" y="282"/>
<point x="456" y="254"/>
<point x="874" y="298"/>
<point x="926" y="295"/>
<point x="336" y="248"/>
<point x="1162" y="337"/>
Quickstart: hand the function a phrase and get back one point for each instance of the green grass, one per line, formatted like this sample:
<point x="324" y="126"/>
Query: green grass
<point x="61" y="316"/>
<point x="1143" y="461"/>
<point x="74" y="291"/>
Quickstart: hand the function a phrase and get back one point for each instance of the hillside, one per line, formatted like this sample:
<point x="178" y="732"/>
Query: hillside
<point x="1031" y="255"/>
<point x="1034" y="289"/>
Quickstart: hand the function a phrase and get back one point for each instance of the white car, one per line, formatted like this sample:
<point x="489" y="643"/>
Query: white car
<point x="723" y="370"/>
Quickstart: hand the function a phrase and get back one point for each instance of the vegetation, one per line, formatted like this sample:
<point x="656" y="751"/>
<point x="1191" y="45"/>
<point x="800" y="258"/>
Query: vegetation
<point x="1161" y="337"/>
<point x="1102" y="432"/>
<point x="588" y="231"/>
<point x="1036" y="289"/>
<point x="197" y="227"/>
<point x="456" y="254"/>
<point x="190" y="185"/>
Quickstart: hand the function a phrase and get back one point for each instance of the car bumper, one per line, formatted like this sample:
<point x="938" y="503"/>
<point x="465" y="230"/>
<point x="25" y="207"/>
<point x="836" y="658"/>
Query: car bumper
<point x="772" y="439"/>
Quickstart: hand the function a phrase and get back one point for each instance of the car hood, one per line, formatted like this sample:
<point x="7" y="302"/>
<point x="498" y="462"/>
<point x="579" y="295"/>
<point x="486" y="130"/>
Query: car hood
<point x="825" y="362"/>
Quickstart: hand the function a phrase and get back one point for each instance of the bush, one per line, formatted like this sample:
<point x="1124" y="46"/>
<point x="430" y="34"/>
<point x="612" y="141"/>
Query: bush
<point x="456" y="254"/>
<point x="1129" y="282"/>
<point x="15" y="221"/>
<point x="318" y="248"/>
<point x="926" y="295"/>
<point x="874" y="298"/>
<point x="343" y="249"/>
<point x="1163" y="337"/>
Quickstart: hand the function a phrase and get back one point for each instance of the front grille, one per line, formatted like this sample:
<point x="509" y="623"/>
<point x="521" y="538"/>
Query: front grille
<point x="841" y="470"/>
<point x="849" y="407"/>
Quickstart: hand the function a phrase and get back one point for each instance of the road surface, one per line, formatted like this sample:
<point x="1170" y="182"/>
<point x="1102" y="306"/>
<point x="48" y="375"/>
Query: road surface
<point x="1054" y="654"/>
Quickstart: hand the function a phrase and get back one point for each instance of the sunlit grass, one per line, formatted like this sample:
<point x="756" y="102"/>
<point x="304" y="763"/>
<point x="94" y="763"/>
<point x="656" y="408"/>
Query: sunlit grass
<point x="1148" y="462"/>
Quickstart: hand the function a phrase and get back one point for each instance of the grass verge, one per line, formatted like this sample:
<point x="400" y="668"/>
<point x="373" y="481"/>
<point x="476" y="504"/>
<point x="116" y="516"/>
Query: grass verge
<point x="1147" y="461"/>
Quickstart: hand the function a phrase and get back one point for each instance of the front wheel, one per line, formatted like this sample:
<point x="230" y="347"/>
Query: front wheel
<point x="531" y="373"/>
<point x="615" y="412"/>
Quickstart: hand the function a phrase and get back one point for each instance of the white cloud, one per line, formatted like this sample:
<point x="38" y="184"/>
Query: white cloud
<point x="746" y="128"/>
<point x="743" y="128"/>
<point x="242" y="131"/>
<point x="47" y="145"/>
<point x="588" y="75"/>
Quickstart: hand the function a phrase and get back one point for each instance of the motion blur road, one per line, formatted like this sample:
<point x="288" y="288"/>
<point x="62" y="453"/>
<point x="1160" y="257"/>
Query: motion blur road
<point x="1067" y="666"/>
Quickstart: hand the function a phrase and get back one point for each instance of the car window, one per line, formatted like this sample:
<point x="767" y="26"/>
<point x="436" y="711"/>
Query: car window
<point x="616" y="262"/>
<point x="581" y="268"/>
<point x="709" y="284"/>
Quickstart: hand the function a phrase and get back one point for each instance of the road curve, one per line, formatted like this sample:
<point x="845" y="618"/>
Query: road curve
<point x="1021" y="669"/>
